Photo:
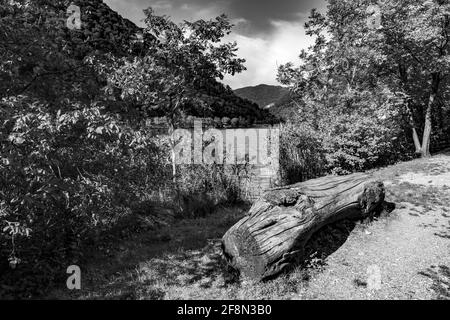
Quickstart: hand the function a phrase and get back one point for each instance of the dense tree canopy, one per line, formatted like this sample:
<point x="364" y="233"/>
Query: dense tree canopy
<point x="43" y="58"/>
<point x="76" y="158"/>
<point x="395" y="71"/>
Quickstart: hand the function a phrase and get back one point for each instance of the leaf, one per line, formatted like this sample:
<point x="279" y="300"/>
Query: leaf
<point x="99" y="130"/>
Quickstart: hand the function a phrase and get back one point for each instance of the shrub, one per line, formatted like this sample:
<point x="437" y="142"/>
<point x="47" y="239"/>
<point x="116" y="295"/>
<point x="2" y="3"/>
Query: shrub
<point x="190" y="121"/>
<point x="208" y="121"/>
<point x="217" y="122"/>
<point x="68" y="178"/>
<point x="200" y="188"/>
<point x="341" y="143"/>
<point x="243" y="122"/>
<point x="302" y="155"/>
<point x="226" y="121"/>
<point x="65" y="178"/>
<point x="362" y="142"/>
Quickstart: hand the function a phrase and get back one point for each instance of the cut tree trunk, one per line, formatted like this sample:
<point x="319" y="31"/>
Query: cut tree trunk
<point x="271" y="237"/>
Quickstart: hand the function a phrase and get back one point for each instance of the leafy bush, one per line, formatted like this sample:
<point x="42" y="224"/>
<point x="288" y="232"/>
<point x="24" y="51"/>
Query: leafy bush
<point x="76" y="160"/>
<point x="65" y="178"/>
<point x="217" y="122"/>
<point x="69" y="177"/>
<point x="358" y="143"/>
<point x="343" y="143"/>
<point x="302" y="155"/>
<point x="200" y="188"/>
<point x="226" y="121"/>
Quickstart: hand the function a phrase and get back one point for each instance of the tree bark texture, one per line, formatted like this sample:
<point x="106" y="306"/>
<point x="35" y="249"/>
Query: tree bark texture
<point x="271" y="237"/>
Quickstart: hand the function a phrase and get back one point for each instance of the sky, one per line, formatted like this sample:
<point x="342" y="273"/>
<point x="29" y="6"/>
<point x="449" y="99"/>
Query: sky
<point x="268" y="33"/>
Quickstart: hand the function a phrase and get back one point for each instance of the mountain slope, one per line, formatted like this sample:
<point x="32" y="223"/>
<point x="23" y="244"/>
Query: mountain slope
<point x="263" y="94"/>
<point x="275" y="99"/>
<point x="105" y="31"/>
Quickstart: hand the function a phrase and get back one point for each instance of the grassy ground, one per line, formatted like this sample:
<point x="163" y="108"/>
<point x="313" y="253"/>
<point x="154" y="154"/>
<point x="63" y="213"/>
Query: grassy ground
<point x="408" y="251"/>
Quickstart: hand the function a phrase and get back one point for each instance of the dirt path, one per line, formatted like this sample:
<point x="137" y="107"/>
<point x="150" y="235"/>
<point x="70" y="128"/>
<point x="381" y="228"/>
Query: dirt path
<point x="407" y="255"/>
<point x="403" y="256"/>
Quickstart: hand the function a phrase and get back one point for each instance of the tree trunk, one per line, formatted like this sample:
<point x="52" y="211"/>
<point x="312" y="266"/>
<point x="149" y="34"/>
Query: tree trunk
<point x="421" y="148"/>
<point x="425" y="150"/>
<point x="272" y="236"/>
<point x="172" y="151"/>
<point x="415" y="135"/>
<point x="416" y="140"/>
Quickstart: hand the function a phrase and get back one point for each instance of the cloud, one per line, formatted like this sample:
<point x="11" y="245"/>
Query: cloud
<point x="264" y="54"/>
<point x="162" y="5"/>
<point x="261" y="13"/>
<point x="258" y="14"/>
<point x="268" y="32"/>
<point x="177" y="10"/>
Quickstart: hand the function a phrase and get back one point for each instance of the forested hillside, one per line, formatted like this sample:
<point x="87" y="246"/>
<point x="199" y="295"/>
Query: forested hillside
<point x="263" y="94"/>
<point x="277" y="100"/>
<point x="374" y="88"/>
<point x="104" y="37"/>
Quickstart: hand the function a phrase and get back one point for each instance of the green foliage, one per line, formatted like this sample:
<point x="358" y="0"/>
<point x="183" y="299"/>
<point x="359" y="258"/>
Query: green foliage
<point x="357" y="143"/>
<point x="201" y="188"/>
<point x="43" y="58"/>
<point x="77" y="162"/>
<point x="362" y="90"/>
<point x="302" y="155"/>
<point x="217" y="122"/>
<point x="226" y="121"/>
<point x="170" y="74"/>
<point x="263" y="94"/>
<point x="66" y="177"/>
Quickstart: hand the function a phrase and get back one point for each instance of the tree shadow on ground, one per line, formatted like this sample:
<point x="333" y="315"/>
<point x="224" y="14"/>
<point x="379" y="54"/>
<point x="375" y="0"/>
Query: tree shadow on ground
<point x="441" y="280"/>
<point x="430" y="167"/>
<point x="331" y="237"/>
<point x="187" y="259"/>
<point x="186" y="271"/>
<point x="326" y="241"/>
<point x="187" y="254"/>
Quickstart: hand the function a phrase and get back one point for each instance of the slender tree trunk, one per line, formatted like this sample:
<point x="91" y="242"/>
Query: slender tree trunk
<point x="172" y="150"/>
<point x="425" y="150"/>
<point x="415" y="135"/>
<point x="171" y="124"/>
<point x="404" y="78"/>
<point x="416" y="140"/>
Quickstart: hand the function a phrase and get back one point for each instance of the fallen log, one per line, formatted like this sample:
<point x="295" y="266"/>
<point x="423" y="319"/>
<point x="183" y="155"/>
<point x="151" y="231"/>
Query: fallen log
<point x="271" y="237"/>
